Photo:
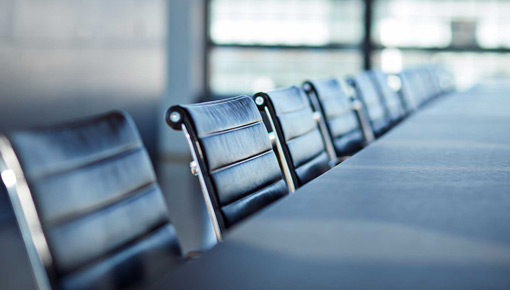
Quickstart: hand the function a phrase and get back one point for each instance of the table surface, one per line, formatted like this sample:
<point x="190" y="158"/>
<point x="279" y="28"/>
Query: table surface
<point x="427" y="206"/>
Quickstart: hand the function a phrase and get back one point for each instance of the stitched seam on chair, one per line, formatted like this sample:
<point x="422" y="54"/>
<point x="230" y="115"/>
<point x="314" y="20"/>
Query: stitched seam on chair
<point x="108" y="254"/>
<point x="76" y="215"/>
<point x="328" y="96"/>
<point x="304" y="106"/>
<point x="344" y="121"/>
<point x="212" y="103"/>
<point x="340" y="114"/>
<point x="346" y="133"/>
<point x="238" y="162"/>
<point x="98" y="158"/>
<point x="250" y="193"/>
<point x="332" y="98"/>
<point x="303" y="134"/>
<point x="310" y="159"/>
<point x="233" y="129"/>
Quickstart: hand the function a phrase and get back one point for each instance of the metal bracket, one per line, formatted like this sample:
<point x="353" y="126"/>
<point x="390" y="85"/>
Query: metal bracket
<point x="197" y="171"/>
<point x="26" y="214"/>
<point x="272" y="138"/>
<point x="321" y="122"/>
<point x="279" y="149"/>
<point x="193" y="167"/>
<point x="357" y="106"/>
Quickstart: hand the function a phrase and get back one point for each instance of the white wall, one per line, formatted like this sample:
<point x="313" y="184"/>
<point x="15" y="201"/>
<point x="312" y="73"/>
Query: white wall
<point x="62" y="59"/>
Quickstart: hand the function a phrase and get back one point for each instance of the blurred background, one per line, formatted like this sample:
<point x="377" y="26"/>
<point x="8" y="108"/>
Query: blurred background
<point x="63" y="59"/>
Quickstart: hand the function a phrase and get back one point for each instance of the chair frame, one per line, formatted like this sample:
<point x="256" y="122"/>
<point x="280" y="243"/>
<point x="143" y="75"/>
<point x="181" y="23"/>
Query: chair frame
<point x="321" y="120"/>
<point x="264" y="104"/>
<point x="356" y="106"/>
<point x="178" y="119"/>
<point x="370" y="134"/>
<point x="26" y="215"/>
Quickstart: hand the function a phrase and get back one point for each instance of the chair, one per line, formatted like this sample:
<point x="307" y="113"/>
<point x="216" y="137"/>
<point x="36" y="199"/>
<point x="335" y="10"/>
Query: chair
<point x="343" y="120"/>
<point x="429" y="82"/>
<point x="410" y="91"/>
<point x="15" y="268"/>
<point x="425" y="83"/>
<point x="298" y="137"/>
<point x="374" y="104"/>
<point x="88" y="204"/>
<point x="394" y="103"/>
<point x="446" y="79"/>
<point x="435" y="85"/>
<point x="233" y="158"/>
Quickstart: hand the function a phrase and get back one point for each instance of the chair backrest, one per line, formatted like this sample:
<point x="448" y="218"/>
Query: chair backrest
<point x="374" y="104"/>
<point x="394" y="103"/>
<point x="237" y="167"/>
<point x="410" y="90"/>
<point x="343" y="123"/>
<point x="424" y="83"/>
<point x="93" y="191"/>
<point x="299" y="138"/>
<point x="428" y="81"/>
<point x="435" y="85"/>
<point x="446" y="79"/>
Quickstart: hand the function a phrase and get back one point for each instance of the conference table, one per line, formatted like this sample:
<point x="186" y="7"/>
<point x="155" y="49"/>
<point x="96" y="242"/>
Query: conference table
<point x="427" y="206"/>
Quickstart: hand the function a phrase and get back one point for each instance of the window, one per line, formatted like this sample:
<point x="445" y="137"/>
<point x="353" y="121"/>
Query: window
<point x="470" y="37"/>
<point x="265" y="44"/>
<point x="250" y="70"/>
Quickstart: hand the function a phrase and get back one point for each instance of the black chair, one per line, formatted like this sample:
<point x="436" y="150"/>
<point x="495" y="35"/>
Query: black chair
<point x="445" y="78"/>
<point x="233" y="157"/>
<point x="410" y="90"/>
<point x="15" y="268"/>
<point x="425" y="83"/>
<point x="428" y="82"/>
<point x="92" y="213"/>
<point x="343" y="119"/>
<point x="394" y="103"/>
<point x="373" y="103"/>
<point x="435" y="84"/>
<point x="298" y="136"/>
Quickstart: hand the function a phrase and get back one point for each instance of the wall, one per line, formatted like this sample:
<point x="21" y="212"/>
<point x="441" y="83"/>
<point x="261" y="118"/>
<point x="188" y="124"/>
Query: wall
<point x="62" y="59"/>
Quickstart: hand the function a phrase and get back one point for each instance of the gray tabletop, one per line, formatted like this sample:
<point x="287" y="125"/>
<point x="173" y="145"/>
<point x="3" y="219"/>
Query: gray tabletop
<point x="427" y="206"/>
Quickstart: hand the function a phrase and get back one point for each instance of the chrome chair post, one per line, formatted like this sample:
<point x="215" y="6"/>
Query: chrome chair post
<point x="197" y="171"/>
<point x="26" y="214"/>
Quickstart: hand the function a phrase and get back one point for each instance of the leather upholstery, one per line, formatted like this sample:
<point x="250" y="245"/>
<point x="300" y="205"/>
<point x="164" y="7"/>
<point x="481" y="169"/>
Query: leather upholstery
<point x="394" y="103"/>
<point x="102" y="211"/>
<point x="428" y="82"/>
<point x="373" y="103"/>
<point x="341" y="120"/>
<point x="422" y="84"/>
<point x="6" y="213"/>
<point x="411" y="99"/>
<point x="435" y="84"/>
<point x="446" y="79"/>
<point x="412" y="91"/>
<point x="298" y="132"/>
<point x="240" y="166"/>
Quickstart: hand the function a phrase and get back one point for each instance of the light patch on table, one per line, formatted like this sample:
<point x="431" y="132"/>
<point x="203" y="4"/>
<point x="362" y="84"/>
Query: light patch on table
<point x="372" y="242"/>
<point x="431" y="168"/>
<point x="448" y="144"/>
